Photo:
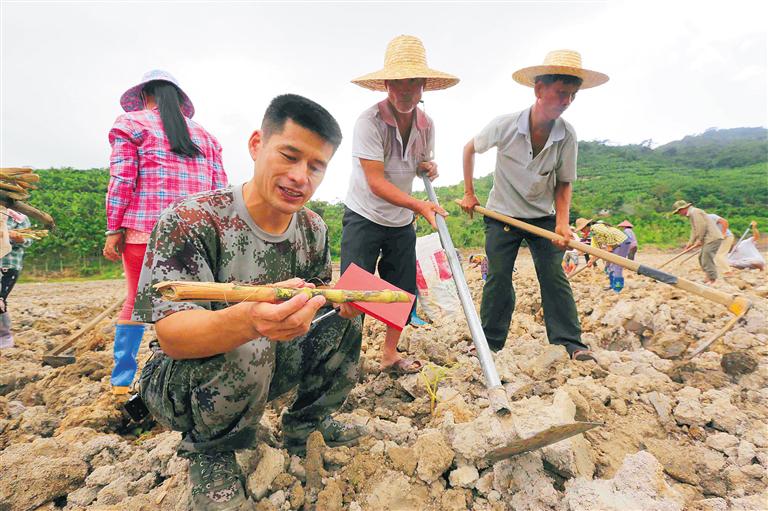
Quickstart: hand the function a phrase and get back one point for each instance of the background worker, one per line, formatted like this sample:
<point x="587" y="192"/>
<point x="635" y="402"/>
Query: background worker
<point x="627" y="226"/>
<point x="611" y="239"/>
<point x="704" y="233"/>
<point x="10" y="267"/>
<point x="159" y="154"/>
<point x="721" y="258"/>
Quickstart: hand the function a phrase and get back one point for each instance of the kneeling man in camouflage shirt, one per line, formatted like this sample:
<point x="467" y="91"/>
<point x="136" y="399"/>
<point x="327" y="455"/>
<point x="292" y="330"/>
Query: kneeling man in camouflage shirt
<point x="220" y="363"/>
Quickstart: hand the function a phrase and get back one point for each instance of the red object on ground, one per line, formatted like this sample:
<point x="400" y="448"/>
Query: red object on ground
<point x="392" y="314"/>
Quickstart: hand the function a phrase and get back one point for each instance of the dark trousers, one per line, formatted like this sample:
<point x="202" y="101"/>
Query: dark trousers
<point x="502" y="242"/>
<point x="217" y="402"/>
<point x="8" y="280"/>
<point x="390" y="249"/>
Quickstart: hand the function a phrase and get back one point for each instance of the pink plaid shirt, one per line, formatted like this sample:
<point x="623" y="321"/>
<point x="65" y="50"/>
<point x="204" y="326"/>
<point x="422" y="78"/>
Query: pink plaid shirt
<point x="146" y="176"/>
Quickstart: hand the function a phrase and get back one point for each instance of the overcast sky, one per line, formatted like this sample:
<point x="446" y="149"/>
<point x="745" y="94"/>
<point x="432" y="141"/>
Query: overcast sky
<point x="676" y="68"/>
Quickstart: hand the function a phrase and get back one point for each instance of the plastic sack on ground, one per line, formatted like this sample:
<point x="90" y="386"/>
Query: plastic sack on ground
<point x="746" y="255"/>
<point x="437" y="292"/>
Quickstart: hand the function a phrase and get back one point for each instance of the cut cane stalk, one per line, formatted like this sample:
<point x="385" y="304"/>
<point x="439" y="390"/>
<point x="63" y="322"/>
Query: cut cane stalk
<point x="14" y="195"/>
<point x="13" y="187"/>
<point x="179" y="291"/>
<point x="33" y="234"/>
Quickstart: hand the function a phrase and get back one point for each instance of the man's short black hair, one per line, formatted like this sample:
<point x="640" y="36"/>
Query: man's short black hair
<point x="566" y="79"/>
<point x="304" y="112"/>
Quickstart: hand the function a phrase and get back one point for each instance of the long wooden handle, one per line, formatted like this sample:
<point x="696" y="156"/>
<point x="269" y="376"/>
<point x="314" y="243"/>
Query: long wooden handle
<point x="662" y="265"/>
<point x="717" y="335"/>
<point x="736" y="304"/>
<point x="61" y="348"/>
<point x="691" y="256"/>
<point x="569" y="277"/>
<point x="184" y="291"/>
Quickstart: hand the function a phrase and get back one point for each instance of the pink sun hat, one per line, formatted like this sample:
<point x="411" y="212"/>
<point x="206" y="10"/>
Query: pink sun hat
<point x="131" y="99"/>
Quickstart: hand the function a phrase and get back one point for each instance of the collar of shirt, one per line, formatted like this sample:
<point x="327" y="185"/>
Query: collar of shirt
<point x="421" y="122"/>
<point x="385" y="111"/>
<point x="524" y="128"/>
<point x="18" y="217"/>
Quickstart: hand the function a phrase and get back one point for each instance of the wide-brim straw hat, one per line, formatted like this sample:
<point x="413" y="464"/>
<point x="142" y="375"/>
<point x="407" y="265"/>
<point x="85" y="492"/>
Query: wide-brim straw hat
<point x="680" y="204"/>
<point x="626" y="223"/>
<point x="560" y="62"/>
<point x="582" y="223"/>
<point x="131" y="99"/>
<point x="406" y="58"/>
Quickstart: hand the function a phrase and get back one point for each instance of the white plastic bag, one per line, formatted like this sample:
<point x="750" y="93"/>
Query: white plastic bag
<point x="746" y="255"/>
<point x="437" y="292"/>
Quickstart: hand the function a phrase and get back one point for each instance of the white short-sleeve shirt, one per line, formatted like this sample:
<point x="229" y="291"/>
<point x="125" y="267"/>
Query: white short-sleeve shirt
<point x="377" y="138"/>
<point x="524" y="186"/>
<point x="716" y="218"/>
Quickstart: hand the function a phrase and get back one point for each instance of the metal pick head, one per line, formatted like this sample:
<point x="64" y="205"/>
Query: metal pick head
<point x="549" y="436"/>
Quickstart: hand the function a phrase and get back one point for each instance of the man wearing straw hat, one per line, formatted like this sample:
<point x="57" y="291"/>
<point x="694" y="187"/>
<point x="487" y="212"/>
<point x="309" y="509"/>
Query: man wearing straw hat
<point x="393" y="141"/>
<point x="535" y="169"/>
<point x="220" y="363"/>
<point x="704" y="233"/>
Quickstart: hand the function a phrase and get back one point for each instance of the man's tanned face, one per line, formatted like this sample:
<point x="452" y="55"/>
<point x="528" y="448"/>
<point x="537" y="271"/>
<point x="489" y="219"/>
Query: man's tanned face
<point x="404" y="95"/>
<point x="553" y="99"/>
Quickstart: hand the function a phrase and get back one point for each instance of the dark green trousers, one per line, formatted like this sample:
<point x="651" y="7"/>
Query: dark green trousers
<point x="502" y="243"/>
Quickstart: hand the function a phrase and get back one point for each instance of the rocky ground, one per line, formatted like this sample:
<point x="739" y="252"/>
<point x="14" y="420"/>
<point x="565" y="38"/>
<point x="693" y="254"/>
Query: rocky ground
<point x="675" y="435"/>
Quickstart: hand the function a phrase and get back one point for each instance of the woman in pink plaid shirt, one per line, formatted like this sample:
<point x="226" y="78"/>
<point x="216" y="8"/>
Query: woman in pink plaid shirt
<point x="158" y="155"/>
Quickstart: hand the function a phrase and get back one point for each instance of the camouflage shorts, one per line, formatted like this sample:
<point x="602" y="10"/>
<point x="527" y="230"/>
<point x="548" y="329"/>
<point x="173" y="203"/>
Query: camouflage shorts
<point x="217" y="402"/>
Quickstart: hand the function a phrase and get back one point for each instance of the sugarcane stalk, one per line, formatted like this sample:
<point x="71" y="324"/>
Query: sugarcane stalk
<point x="14" y="195"/>
<point x="13" y="187"/>
<point x="180" y="291"/>
<point x="33" y="234"/>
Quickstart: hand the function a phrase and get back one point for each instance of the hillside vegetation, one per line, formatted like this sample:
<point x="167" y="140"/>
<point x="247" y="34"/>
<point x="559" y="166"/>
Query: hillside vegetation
<point x="723" y="171"/>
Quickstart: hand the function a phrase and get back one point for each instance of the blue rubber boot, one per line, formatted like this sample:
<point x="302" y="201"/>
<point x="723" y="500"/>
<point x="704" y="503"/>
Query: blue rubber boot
<point x="127" y="342"/>
<point x="416" y="320"/>
<point x="618" y="284"/>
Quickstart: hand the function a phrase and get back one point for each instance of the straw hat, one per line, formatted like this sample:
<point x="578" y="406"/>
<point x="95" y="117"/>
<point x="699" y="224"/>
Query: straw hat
<point x="406" y="58"/>
<point x="626" y="223"/>
<point x="560" y="62"/>
<point x="680" y="204"/>
<point x="582" y="223"/>
<point x="131" y="99"/>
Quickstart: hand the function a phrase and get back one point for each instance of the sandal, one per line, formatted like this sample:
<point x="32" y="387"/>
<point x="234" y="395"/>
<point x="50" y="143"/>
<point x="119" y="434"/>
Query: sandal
<point x="403" y="366"/>
<point x="583" y="355"/>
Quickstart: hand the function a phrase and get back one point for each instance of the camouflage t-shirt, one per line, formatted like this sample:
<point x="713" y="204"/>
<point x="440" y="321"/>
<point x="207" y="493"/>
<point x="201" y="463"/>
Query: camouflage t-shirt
<point x="211" y="237"/>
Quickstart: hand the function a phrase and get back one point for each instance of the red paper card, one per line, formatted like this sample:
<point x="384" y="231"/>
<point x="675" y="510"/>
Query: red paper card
<point x="392" y="314"/>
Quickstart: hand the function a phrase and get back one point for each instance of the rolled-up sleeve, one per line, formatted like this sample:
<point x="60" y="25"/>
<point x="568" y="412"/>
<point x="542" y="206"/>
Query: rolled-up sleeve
<point x="123" y="170"/>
